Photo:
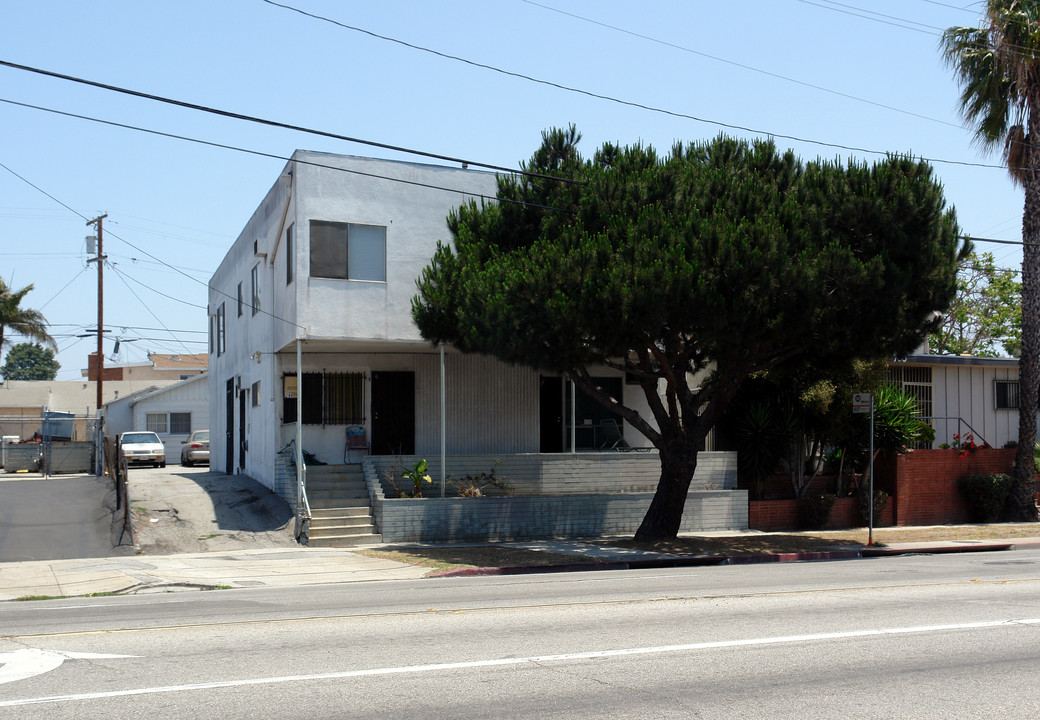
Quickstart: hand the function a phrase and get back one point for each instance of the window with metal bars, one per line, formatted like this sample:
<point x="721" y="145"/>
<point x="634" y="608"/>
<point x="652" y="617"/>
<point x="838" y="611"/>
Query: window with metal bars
<point x="1006" y="394"/>
<point x="329" y="398"/>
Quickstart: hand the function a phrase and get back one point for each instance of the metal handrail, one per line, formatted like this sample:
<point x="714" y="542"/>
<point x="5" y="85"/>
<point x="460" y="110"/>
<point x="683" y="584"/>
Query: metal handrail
<point x="303" y="506"/>
<point x="979" y="440"/>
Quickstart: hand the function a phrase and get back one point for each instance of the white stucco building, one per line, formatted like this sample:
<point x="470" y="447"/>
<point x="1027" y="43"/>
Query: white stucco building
<point x="329" y="259"/>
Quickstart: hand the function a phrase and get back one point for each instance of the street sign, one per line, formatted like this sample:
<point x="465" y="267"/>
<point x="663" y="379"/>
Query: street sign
<point x="862" y="402"/>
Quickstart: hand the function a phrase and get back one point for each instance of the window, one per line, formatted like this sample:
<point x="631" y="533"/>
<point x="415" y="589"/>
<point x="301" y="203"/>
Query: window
<point x="240" y="302"/>
<point x="290" y="256"/>
<point x="255" y="393"/>
<point x="155" y="422"/>
<point x="1006" y="392"/>
<point x="175" y="423"/>
<point x="917" y="382"/>
<point x="328" y="398"/>
<point x="255" y="283"/>
<point x="220" y="330"/>
<point x="348" y="251"/>
<point x="180" y="423"/>
<point x="211" y="336"/>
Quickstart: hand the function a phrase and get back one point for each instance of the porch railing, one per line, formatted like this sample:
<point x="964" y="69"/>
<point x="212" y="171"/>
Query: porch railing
<point x="979" y="440"/>
<point x="303" y="506"/>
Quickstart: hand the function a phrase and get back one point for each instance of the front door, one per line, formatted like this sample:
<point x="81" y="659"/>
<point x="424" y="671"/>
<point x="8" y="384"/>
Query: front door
<point x="550" y="413"/>
<point x="393" y="413"/>
<point x="229" y="429"/>
<point x="242" y="430"/>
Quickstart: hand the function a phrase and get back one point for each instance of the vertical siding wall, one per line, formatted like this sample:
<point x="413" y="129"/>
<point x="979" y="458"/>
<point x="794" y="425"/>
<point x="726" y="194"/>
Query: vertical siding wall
<point x="491" y="407"/>
<point x="582" y="495"/>
<point x="967" y="391"/>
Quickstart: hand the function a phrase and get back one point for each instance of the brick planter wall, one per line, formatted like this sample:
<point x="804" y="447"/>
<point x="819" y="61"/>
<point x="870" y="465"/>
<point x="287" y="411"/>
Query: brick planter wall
<point x="925" y="482"/>
<point x="777" y="515"/>
<point x="922" y="486"/>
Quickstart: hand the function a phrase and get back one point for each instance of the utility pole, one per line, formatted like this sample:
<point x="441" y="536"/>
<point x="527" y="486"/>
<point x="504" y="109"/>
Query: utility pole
<point x="100" y="260"/>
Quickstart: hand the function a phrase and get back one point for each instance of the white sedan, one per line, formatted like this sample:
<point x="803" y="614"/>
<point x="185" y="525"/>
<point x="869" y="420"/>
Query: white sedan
<point x="143" y="448"/>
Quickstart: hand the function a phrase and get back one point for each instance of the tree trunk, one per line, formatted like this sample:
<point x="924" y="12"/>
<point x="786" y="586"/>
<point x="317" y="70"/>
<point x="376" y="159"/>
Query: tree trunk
<point x="1020" y="505"/>
<point x="664" y="515"/>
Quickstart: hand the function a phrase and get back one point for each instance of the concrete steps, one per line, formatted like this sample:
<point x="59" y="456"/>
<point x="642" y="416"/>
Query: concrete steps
<point x="341" y="515"/>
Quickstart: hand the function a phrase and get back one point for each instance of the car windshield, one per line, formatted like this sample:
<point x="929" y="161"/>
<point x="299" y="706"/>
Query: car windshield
<point x="202" y="435"/>
<point x="138" y="438"/>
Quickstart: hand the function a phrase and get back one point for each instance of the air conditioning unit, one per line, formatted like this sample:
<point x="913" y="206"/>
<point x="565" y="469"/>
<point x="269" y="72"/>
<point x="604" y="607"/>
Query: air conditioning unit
<point x="256" y="250"/>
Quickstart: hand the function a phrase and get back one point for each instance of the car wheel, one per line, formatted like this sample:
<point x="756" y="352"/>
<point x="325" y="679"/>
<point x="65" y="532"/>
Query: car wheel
<point x="185" y="463"/>
<point x="162" y="464"/>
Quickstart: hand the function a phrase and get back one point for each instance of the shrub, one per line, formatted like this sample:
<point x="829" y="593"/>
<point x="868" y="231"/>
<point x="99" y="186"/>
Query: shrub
<point x="475" y="485"/>
<point x="815" y="510"/>
<point x="863" y="509"/>
<point x="985" y="494"/>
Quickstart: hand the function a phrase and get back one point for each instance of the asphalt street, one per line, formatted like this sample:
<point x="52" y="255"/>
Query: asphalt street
<point x="915" y="636"/>
<point x="63" y="516"/>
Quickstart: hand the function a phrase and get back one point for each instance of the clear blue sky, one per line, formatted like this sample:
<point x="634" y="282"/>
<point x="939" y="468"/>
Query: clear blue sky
<point x="815" y="70"/>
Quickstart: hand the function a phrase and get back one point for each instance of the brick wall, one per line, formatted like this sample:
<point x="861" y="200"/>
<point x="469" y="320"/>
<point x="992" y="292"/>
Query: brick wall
<point x="922" y="486"/>
<point x="925" y="482"/>
<point x="546" y="516"/>
<point x="777" y="515"/>
<point x="580" y="495"/>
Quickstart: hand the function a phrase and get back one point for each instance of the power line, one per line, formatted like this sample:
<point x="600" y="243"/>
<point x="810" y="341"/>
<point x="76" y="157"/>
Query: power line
<point x="867" y="15"/>
<point x="743" y="66"/>
<point x="277" y="124"/>
<point x="610" y="98"/>
<point x="122" y="277"/>
<point x="224" y="146"/>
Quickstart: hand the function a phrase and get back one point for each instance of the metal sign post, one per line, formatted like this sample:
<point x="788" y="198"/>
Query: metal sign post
<point x="864" y="403"/>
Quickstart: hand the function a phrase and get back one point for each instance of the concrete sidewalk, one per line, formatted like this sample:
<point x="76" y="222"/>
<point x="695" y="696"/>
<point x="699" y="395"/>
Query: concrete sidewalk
<point x="293" y="567"/>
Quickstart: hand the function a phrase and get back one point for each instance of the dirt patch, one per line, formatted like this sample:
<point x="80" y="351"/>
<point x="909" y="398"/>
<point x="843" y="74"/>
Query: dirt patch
<point x="188" y="510"/>
<point x="838" y="539"/>
<point x="440" y="559"/>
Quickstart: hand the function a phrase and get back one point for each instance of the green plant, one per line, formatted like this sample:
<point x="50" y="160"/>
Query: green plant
<point x="967" y="444"/>
<point x="897" y="422"/>
<point x="474" y="485"/>
<point x="985" y="494"/>
<point x="815" y="510"/>
<point x="863" y="509"/>
<point x="760" y="444"/>
<point x="418" y="476"/>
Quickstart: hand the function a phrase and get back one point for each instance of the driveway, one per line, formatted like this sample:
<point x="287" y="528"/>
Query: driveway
<point x="59" y="517"/>
<point x="192" y="509"/>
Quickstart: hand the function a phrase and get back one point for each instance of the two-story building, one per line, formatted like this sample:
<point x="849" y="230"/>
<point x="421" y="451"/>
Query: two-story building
<point x="326" y="268"/>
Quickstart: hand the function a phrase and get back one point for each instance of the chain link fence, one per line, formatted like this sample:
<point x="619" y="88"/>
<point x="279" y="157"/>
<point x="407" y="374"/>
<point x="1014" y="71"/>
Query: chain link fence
<point x="51" y="443"/>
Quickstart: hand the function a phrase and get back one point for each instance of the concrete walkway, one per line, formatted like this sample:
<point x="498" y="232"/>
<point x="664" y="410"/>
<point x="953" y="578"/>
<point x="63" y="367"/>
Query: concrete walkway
<point x="293" y="567"/>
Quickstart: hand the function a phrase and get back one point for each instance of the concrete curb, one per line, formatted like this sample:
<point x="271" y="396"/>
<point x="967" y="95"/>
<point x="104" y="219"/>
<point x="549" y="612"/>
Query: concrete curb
<point x="708" y="560"/>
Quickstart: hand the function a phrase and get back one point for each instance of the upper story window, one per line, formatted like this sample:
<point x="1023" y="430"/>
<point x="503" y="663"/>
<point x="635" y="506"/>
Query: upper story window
<point x="255" y="282"/>
<point x="348" y="251"/>
<point x="220" y="330"/>
<point x="1006" y="392"/>
<point x="240" y="303"/>
<point x="290" y="255"/>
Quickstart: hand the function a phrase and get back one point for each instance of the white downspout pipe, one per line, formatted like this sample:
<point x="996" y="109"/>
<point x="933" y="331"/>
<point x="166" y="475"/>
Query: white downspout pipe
<point x="299" y="411"/>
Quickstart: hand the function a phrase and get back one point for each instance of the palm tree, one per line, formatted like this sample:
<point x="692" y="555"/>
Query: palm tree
<point x="998" y="68"/>
<point x="24" y="321"/>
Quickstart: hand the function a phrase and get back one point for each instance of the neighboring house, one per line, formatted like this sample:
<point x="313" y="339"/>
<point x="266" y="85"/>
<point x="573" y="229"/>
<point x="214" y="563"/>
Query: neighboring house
<point x="158" y="367"/>
<point x="22" y="402"/>
<point x="326" y="267"/>
<point x="963" y="395"/>
<point x="172" y="412"/>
